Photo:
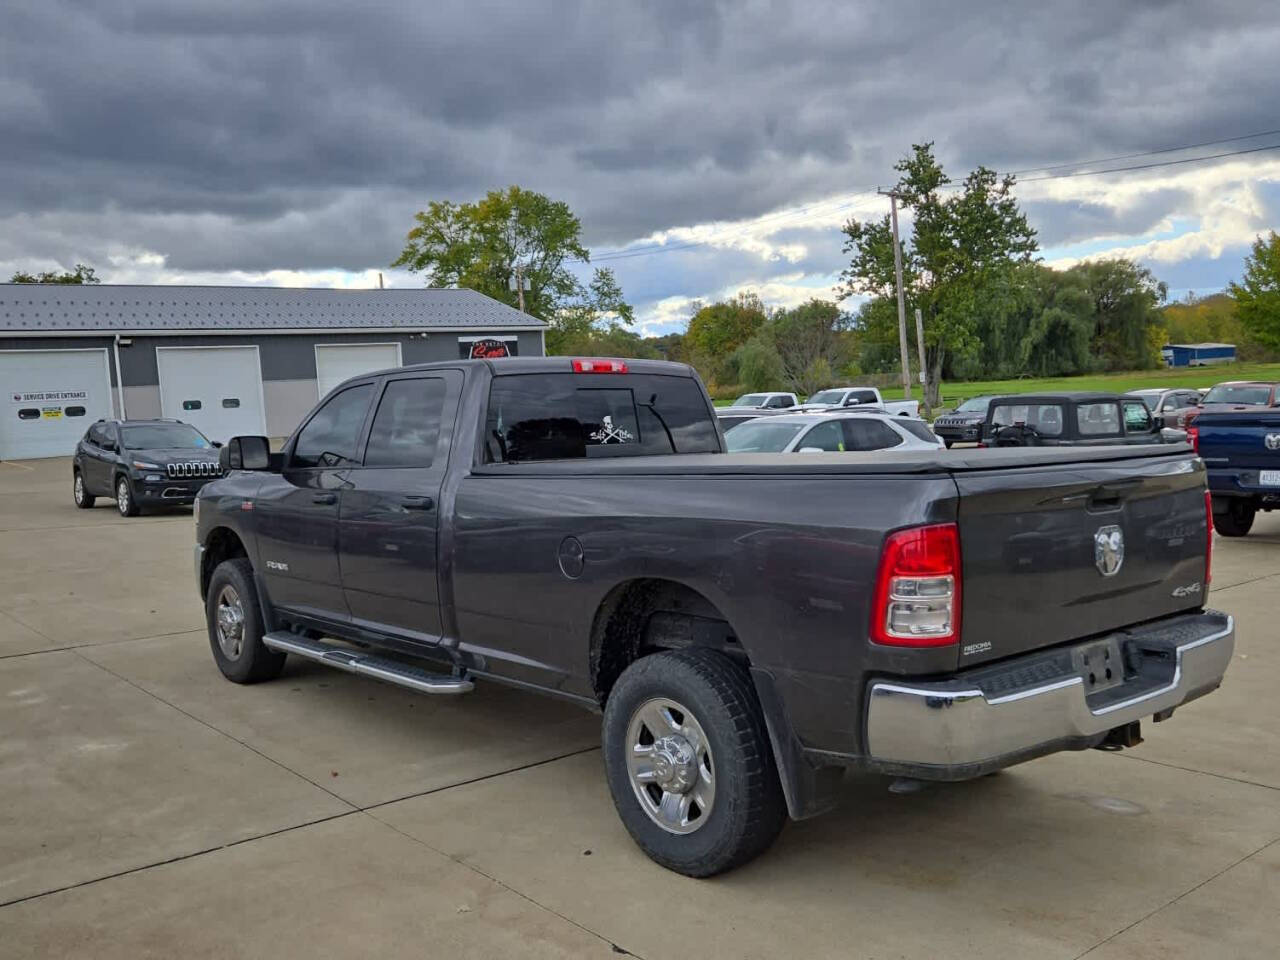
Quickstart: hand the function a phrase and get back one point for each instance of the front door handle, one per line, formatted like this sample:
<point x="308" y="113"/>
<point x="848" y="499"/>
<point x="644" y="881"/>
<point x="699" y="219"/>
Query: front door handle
<point x="417" y="503"/>
<point x="325" y="498"/>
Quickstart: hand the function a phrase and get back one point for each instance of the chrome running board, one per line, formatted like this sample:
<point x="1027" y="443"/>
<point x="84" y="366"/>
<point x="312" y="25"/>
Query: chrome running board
<point x="367" y="665"/>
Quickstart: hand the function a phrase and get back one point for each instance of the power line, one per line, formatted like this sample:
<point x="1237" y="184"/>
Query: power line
<point x="1147" y="153"/>
<point x="802" y="214"/>
<point x="1148" y="166"/>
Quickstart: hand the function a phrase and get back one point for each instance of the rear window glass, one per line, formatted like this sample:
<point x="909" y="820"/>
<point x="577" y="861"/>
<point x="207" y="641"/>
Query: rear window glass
<point x="570" y="416"/>
<point x="918" y="429"/>
<point x="1098" y="419"/>
<point x="1044" y="418"/>
<point x="869" y="434"/>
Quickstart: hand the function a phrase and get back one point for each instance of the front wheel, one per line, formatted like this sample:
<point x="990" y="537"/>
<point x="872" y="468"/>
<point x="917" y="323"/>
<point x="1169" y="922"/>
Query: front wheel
<point x="689" y="763"/>
<point x="1237" y="519"/>
<point x="235" y="625"/>
<point x="125" y="502"/>
<point x="80" y="493"/>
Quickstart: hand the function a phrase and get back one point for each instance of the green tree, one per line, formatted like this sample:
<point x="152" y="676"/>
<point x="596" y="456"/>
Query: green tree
<point x="758" y="365"/>
<point x="81" y="274"/>
<point x="596" y="323"/>
<point x="1257" y="295"/>
<point x="511" y="238"/>
<point x="1128" y="328"/>
<point x="957" y="262"/>
<point x="812" y="344"/>
<point x="717" y="330"/>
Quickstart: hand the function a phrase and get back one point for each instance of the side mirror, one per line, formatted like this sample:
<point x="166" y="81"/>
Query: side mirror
<point x="217" y="444"/>
<point x="245" y="453"/>
<point x="852" y="402"/>
<point x="1170" y="435"/>
<point x="811" y="450"/>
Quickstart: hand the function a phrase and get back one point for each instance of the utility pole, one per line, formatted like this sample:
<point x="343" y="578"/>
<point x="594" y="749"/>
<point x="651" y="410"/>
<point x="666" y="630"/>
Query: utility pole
<point x="924" y="381"/>
<point x="520" y="285"/>
<point x="902" y="306"/>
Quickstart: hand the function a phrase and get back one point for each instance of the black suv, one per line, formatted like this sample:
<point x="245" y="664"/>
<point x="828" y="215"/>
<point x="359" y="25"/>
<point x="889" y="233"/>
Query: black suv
<point x="142" y="463"/>
<point x="1071" y="419"/>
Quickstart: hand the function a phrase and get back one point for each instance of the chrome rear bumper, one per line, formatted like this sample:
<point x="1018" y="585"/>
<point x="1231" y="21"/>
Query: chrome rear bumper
<point x="983" y="719"/>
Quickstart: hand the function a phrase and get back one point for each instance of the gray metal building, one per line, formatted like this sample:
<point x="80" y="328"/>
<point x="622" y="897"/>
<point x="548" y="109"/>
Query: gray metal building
<point x="227" y="359"/>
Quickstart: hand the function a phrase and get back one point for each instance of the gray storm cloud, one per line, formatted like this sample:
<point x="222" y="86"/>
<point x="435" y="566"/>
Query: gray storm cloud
<point x="248" y="136"/>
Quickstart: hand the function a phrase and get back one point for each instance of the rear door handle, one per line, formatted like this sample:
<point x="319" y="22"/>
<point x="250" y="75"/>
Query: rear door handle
<point x="417" y="503"/>
<point x="325" y="498"/>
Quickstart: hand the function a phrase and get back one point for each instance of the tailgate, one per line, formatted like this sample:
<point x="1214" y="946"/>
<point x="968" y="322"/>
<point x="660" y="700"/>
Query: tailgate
<point x="1240" y="439"/>
<point x="1040" y="545"/>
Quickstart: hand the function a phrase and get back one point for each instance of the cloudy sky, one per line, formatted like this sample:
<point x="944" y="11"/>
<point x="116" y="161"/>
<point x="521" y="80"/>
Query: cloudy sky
<point x="706" y="147"/>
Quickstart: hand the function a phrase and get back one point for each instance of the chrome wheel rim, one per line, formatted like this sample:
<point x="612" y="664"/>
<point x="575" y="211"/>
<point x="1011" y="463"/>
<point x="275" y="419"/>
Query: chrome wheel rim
<point x="122" y="496"/>
<point x="79" y="489"/>
<point x="670" y="766"/>
<point x="229" y="622"/>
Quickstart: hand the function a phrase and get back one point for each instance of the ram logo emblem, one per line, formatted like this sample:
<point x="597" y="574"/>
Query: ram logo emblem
<point x="1108" y="550"/>
<point x="1273" y="441"/>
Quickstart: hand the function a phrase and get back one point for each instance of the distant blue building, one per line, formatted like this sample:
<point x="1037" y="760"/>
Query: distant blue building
<point x="1197" y="354"/>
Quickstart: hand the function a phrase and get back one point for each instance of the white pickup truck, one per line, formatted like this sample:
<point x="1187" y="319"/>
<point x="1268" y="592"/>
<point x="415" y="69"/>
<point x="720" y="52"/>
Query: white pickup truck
<point x="859" y="397"/>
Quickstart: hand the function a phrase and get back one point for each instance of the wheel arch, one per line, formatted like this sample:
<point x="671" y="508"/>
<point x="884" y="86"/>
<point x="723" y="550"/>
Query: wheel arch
<point x="641" y="615"/>
<point x="222" y="543"/>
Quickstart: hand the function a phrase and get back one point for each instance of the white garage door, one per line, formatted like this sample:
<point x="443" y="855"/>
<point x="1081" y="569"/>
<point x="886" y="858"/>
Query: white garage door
<point x="336" y="362"/>
<point x="50" y="398"/>
<point x="217" y="389"/>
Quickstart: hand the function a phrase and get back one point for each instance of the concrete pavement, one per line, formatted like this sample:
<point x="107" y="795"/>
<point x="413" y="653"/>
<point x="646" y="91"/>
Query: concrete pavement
<point x="149" y="808"/>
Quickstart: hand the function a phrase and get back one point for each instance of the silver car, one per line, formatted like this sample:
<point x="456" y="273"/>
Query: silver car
<point x="831" y="433"/>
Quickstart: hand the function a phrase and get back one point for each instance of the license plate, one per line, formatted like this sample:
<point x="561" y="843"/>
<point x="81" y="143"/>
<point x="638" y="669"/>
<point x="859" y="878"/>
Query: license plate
<point x="1269" y="478"/>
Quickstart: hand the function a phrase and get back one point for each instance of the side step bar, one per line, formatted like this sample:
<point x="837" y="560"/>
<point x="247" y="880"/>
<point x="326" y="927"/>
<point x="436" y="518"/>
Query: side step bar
<point x="368" y="665"/>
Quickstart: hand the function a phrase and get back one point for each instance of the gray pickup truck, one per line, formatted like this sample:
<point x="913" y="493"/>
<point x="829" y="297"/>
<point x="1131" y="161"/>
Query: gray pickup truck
<point x="750" y="625"/>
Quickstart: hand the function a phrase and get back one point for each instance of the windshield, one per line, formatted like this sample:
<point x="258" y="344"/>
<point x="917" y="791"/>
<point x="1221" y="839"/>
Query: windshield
<point x="751" y="400"/>
<point x="827" y="396"/>
<point x="762" y="436"/>
<point x="1239" y="393"/>
<point x="1150" y="399"/>
<point x="160" y="436"/>
<point x="974" y="405"/>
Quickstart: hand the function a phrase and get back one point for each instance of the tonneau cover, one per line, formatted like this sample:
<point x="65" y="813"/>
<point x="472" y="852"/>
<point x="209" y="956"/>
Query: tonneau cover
<point x="825" y="464"/>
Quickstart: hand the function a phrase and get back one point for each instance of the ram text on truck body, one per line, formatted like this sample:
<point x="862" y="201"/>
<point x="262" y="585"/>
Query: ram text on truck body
<point x="750" y="625"/>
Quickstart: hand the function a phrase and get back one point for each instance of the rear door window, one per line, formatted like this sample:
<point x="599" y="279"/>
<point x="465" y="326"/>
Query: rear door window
<point x="1098" y="419"/>
<point x="570" y="416"/>
<point x="825" y="436"/>
<point x="406" y="428"/>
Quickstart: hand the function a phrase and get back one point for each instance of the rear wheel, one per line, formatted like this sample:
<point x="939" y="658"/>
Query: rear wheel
<point x="235" y="625"/>
<point x="1236" y="520"/>
<point x="125" y="502"/>
<point x="80" y="493"/>
<point x="689" y="763"/>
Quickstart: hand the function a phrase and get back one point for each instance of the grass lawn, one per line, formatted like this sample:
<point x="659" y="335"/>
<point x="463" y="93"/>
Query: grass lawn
<point x="1118" y="382"/>
<point x="954" y="393"/>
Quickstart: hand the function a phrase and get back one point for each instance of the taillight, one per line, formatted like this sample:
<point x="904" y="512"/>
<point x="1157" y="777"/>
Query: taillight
<point x="1208" y="547"/>
<point x="917" y="593"/>
<point x="1193" y="437"/>
<point x="598" y="365"/>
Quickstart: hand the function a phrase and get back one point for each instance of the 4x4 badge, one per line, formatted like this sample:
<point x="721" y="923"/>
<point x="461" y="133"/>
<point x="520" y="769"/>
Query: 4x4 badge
<point x="1108" y="550"/>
